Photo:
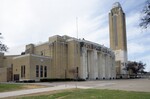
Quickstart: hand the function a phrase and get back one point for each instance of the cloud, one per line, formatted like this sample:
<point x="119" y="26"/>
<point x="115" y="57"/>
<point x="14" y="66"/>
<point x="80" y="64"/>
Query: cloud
<point x="136" y="48"/>
<point x="144" y="59"/>
<point x="16" y="50"/>
<point x="31" y="21"/>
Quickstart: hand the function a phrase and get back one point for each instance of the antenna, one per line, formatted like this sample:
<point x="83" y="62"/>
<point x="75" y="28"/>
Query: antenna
<point x="77" y="26"/>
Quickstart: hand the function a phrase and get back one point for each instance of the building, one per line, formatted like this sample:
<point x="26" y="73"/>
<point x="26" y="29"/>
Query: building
<point x="118" y="42"/>
<point x="61" y="57"/>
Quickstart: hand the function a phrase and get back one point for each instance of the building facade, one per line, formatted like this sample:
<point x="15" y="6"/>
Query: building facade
<point x="63" y="57"/>
<point x="73" y="58"/>
<point x="118" y="42"/>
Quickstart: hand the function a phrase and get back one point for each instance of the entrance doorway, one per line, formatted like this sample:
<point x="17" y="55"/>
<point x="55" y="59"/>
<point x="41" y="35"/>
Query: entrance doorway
<point x="16" y="77"/>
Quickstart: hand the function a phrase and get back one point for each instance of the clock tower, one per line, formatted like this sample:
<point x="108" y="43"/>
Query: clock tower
<point x="118" y="42"/>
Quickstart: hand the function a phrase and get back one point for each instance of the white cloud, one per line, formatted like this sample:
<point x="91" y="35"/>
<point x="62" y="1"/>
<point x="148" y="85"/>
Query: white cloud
<point x="135" y="48"/>
<point x="16" y="50"/>
<point x="31" y="21"/>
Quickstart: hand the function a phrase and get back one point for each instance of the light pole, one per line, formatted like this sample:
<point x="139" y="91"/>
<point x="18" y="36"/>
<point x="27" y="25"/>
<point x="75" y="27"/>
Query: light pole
<point x="0" y="34"/>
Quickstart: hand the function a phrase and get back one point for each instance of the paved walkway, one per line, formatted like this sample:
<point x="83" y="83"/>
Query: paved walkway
<point x="38" y="90"/>
<point x="141" y="85"/>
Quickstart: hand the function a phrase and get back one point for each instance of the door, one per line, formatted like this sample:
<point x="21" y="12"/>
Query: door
<point x="16" y="77"/>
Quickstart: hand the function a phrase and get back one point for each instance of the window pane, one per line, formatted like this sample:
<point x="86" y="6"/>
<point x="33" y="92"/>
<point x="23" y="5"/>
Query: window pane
<point x="41" y="72"/>
<point x="45" y="71"/>
<point x="21" y="71"/>
<point x="37" y="71"/>
<point x="24" y="71"/>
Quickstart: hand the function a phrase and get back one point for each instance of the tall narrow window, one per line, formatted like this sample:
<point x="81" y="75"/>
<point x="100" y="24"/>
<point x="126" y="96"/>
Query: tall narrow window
<point x="37" y="70"/>
<point x="45" y="71"/>
<point x="41" y="71"/>
<point x="22" y="71"/>
<point x="115" y="30"/>
<point x="77" y="48"/>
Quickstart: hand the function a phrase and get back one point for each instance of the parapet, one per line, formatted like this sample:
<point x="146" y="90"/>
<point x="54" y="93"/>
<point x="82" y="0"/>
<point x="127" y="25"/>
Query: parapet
<point x="56" y="38"/>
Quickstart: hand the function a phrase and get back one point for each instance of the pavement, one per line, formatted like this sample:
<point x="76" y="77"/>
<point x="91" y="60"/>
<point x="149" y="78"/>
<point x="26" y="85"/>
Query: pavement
<point x="141" y="85"/>
<point x="38" y="90"/>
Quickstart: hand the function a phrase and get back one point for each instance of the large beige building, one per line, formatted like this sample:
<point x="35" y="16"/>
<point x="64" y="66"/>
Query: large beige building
<point x="61" y="57"/>
<point x="118" y="43"/>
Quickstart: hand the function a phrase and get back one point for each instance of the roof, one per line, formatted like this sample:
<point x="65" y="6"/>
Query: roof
<point x="116" y="5"/>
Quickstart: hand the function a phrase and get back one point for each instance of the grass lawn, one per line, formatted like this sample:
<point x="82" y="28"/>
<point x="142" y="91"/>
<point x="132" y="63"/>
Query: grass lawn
<point x="13" y="87"/>
<point x="10" y="87"/>
<point x="92" y="94"/>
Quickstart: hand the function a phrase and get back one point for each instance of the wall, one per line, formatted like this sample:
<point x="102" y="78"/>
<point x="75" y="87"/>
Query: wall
<point x="97" y="63"/>
<point x="59" y="59"/>
<point x="1" y="60"/>
<point x="19" y="61"/>
<point x="73" y="59"/>
<point x="40" y="61"/>
<point x="30" y="61"/>
<point x="3" y="74"/>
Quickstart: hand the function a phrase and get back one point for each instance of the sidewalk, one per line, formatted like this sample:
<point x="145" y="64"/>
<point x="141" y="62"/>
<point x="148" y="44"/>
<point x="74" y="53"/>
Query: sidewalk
<point x="38" y="90"/>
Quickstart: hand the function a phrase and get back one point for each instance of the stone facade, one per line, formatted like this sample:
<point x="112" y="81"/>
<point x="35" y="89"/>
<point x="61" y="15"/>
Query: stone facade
<point x="97" y="61"/>
<point x="62" y="57"/>
<point x="31" y="67"/>
<point x="73" y="58"/>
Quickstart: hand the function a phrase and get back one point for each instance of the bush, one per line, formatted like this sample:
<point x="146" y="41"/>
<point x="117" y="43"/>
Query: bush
<point x="59" y="80"/>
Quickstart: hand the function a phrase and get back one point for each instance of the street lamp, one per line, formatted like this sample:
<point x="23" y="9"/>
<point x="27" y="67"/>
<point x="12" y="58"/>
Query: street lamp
<point x="0" y="34"/>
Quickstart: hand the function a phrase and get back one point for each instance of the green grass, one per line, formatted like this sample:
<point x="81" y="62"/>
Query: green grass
<point x="93" y="94"/>
<point x="10" y="87"/>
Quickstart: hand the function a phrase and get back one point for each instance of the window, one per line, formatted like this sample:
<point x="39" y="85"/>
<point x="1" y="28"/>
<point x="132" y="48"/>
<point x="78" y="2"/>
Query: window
<point x="41" y="71"/>
<point x="41" y="53"/>
<point x="37" y="70"/>
<point x="22" y="71"/>
<point x="77" y="48"/>
<point x="45" y="71"/>
<point x="115" y="30"/>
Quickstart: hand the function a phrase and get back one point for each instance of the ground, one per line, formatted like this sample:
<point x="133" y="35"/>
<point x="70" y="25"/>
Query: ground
<point x="140" y="85"/>
<point x="91" y="94"/>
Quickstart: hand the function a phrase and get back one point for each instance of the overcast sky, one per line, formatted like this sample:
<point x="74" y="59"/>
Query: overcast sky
<point x="33" y="21"/>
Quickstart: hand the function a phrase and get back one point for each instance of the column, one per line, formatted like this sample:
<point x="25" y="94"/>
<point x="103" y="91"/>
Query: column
<point x="103" y="65"/>
<point x="95" y="64"/>
<point x="83" y="70"/>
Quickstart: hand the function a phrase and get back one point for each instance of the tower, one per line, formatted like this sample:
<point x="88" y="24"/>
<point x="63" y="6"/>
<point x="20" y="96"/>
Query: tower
<point x="118" y="43"/>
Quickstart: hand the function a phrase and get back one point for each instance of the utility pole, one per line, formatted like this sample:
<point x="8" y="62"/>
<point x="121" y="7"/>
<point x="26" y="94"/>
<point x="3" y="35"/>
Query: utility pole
<point x="77" y="26"/>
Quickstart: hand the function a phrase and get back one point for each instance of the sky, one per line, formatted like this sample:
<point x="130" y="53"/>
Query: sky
<point x="32" y="21"/>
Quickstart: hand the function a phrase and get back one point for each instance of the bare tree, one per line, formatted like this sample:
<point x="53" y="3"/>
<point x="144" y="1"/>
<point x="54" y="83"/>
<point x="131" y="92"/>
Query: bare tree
<point x="145" y="19"/>
<point x="3" y="47"/>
